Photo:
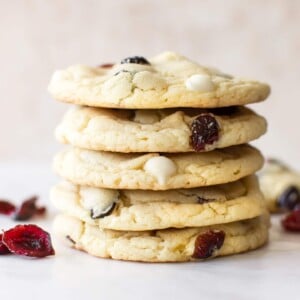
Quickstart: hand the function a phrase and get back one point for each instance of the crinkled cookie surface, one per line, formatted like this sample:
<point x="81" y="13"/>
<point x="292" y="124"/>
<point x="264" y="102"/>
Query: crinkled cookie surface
<point x="167" y="130"/>
<point x="167" y="80"/>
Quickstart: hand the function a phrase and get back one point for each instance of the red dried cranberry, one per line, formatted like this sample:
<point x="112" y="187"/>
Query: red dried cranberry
<point x="291" y="222"/>
<point x="28" y="209"/>
<point x="289" y="198"/>
<point x="205" y="131"/>
<point x="106" y="66"/>
<point x="40" y="210"/>
<point x="6" y="208"/>
<point x="28" y="240"/>
<point x="206" y="243"/>
<point x="135" y="60"/>
<point x="3" y="248"/>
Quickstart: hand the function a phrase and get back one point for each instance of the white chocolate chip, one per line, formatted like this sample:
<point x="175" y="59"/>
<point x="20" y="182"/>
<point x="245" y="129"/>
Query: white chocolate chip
<point x="200" y="83"/>
<point x="98" y="200"/>
<point x="160" y="167"/>
<point x="118" y="86"/>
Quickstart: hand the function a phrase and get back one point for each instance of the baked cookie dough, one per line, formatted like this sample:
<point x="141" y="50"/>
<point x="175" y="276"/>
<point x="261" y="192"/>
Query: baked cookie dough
<point x="169" y="245"/>
<point x="167" y="80"/>
<point x="137" y="210"/>
<point x="280" y="186"/>
<point x="167" y="130"/>
<point x="153" y="171"/>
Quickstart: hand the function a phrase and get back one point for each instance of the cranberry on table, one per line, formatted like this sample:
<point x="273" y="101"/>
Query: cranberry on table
<point x="3" y="248"/>
<point x="28" y="209"/>
<point x="6" y="207"/>
<point x="291" y="222"/>
<point x="28" y="240"/>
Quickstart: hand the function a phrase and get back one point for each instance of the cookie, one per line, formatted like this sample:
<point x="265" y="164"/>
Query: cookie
<point x="167" y="80"/>
<point x="137" y="210"/>
<point x="280" y="186"/>
<point x="167" y="130"/>
<point x="169" y="245"/>
<point x="153" y="171"/>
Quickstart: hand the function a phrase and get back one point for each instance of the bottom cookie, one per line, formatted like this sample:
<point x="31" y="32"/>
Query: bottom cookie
<point x="168" y="245"/>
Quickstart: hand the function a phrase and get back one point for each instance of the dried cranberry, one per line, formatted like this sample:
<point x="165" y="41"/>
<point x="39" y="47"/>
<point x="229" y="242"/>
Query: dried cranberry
<point x="6" y="208"/>
<point x="289" y="198"/>
<point x="135" y="60"/>
<point x="292" y="221"/>
<point x="206" y="243"/>
<point x="28" y="240"/>
<point x="3" y="248"/>
<point x="106" y="66"/>
<point x="205" y="131"/>
<point x="28" y="209"/>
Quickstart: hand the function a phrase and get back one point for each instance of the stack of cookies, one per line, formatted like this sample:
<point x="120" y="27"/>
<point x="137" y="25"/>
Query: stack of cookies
<point x="159" y="169"/>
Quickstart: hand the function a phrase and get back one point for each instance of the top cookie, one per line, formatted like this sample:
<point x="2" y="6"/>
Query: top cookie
<point x="167" y="80"/>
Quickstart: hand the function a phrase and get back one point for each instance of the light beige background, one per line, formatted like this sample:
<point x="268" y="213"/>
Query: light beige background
<point x="259" y="39"/>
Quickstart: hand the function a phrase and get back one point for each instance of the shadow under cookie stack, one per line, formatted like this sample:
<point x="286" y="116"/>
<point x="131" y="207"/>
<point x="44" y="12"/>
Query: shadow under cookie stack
<point x="159" y="168"/>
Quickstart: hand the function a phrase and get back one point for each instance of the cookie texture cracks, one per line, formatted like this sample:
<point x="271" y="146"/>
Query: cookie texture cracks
<point x="171" y="245"/>
<point x="167" y="80"/>
<point x="149" y="210"/>
<point x="134" y="171"/>
<point x="166" y="130"/>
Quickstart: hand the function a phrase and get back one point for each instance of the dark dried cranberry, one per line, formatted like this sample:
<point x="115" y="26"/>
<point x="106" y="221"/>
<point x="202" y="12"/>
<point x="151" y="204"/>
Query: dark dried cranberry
<point x="289" y="198"/>
<point x="205" y="131"/>
<point x="28" y="209"/>
<point x="28" y="240"/>
<point x="206" y="243"/>
<point x="106" y="66"/>
<point x="3" y="248"/>
<point x="6" y="208"/>
<point x="291" y="222"/>
<point x="135" y="60"/>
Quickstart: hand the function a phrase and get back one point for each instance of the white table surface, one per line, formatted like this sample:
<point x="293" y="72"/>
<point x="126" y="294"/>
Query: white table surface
<point x="272" y="272"/>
